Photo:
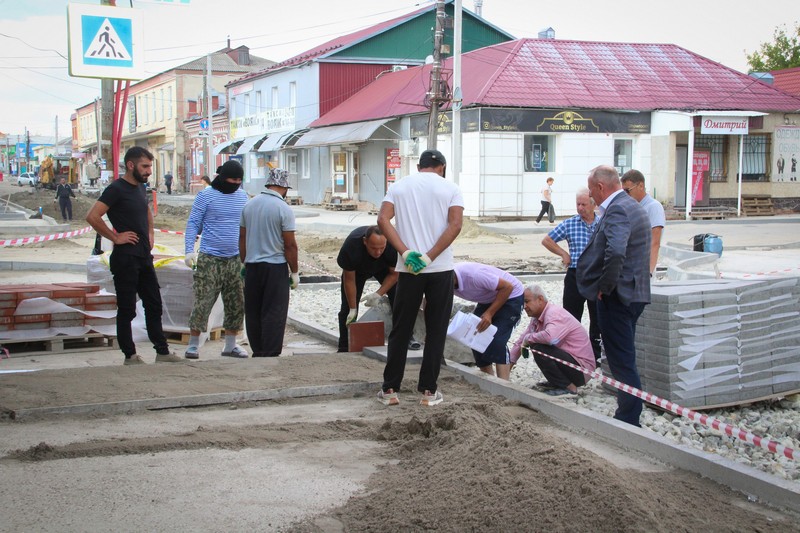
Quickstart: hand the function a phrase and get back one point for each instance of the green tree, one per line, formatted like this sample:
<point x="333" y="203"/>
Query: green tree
<point x="783" y="52"/>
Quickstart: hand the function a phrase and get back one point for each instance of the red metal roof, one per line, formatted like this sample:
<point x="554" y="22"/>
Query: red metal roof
<point x="338" y="43"/>
<point x="547" y="73"/>
<point x="787" y="80"/>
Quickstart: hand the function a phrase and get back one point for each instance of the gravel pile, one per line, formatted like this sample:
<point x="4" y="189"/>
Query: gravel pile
<point x="775" y="420"/>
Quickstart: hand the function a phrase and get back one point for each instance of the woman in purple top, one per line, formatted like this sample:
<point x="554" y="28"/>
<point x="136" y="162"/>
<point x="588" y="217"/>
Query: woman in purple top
<point x="499" y="298"/>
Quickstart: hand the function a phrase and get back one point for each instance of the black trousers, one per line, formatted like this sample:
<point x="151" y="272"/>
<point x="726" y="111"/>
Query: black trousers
<point x="136" y="275"/>
<point x="573" y="302"/>
<point x="66" y="208"/>
<point x="266" y="305"/>
<point x="344" y="310"/>
<point x="437" y="289"/>
<point x="547" y="209"/>
<point x="557" y="374"/>
<point x="169" y="187"/>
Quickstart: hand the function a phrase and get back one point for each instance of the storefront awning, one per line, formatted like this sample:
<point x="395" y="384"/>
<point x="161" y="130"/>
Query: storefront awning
<point x="156" y="132"/>
<point x="274" y="141"/>
<point x="343" y="134"/>
<point x="228" y="147"/>
<point x="248" y="144"/>
<point x="729" y="113"/>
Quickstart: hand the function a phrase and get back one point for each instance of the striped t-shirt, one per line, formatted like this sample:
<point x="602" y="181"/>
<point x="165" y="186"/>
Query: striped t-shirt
<point x="217" y="214"/>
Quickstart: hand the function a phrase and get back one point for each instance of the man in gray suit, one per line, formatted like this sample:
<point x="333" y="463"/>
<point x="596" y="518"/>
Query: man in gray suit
<point x="614" y="270"/>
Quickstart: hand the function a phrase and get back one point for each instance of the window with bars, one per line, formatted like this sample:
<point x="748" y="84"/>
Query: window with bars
<point x="756" y="154"/>
<point x="718" y="146"/>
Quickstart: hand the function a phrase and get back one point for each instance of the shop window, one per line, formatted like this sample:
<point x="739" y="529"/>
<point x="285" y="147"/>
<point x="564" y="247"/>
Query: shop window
<point x="291" y="163"/>
<point x="718" y="146"/>
<point x="756" y="154"/>
<point x="623" y="155"/>
<point x="539" y="153"/>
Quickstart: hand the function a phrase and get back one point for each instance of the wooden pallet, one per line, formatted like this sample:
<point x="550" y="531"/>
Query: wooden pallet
<point x="58" y="344"/>
<point x="757" y="205"/>
<point x="182" y="337"/>
<point x="708" y="213"/>
<point x="344" y="206"/>
<point x="294" y="200"/>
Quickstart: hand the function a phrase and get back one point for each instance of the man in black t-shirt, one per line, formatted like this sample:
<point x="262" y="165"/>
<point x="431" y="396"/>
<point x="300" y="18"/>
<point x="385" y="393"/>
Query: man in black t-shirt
<point x="131" y="262"/>
<point x="365" y="254"/>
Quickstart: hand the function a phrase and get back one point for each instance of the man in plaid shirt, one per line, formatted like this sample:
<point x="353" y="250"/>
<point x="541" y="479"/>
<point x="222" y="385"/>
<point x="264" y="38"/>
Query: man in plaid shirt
<point x="576" y="230"/>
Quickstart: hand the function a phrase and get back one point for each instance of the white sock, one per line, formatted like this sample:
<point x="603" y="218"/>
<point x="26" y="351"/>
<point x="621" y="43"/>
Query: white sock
<point x="230" y="342"/>
<point x="194" y="342"/>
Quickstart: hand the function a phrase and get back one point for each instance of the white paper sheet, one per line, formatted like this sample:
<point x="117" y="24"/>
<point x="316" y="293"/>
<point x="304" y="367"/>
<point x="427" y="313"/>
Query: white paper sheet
<point x="463" y="329"/>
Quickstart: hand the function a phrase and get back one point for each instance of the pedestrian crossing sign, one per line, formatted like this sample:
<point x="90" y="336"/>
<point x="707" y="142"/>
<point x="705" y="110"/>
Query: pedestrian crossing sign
<point x="105" y="42"/>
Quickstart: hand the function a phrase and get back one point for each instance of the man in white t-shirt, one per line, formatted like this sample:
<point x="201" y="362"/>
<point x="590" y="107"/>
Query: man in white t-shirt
<point x="633" y="183"/>
<point x="428" y="212"/>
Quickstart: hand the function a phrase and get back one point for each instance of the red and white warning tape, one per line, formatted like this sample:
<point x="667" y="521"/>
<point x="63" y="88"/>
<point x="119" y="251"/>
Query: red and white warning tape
<point x="43" y="238"/>
<point x="170" y="232"/>
<point x="782" y="271"/>
<point x="708" y="421"/>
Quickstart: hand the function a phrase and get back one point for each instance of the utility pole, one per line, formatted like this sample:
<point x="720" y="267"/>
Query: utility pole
<point x="27" y="149"/>
<point x="435" y="93"/>
<point x="209" y="165"/>
<point x="456" y="106"/>
<point x="106" y="111"/>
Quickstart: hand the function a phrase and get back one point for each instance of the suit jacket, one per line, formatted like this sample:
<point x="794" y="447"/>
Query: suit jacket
<point x="617" y="257"/>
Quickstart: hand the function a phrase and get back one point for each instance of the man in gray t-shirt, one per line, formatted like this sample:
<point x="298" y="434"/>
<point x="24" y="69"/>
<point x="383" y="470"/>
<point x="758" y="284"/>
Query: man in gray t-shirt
<point x="268" y="249"/>
<point x="633" y="183"/>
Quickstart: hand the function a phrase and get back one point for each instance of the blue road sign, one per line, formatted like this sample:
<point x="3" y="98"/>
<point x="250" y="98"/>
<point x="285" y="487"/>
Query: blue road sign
<point x="107" y="41"/>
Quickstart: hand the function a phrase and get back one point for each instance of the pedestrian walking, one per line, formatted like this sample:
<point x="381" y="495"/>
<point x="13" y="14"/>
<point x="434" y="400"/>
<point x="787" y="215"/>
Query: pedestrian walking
<point x="64" y="195"/>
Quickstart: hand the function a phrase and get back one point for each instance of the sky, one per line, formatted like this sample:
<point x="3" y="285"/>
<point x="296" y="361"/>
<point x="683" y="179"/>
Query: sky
<point x="35" y="86"/>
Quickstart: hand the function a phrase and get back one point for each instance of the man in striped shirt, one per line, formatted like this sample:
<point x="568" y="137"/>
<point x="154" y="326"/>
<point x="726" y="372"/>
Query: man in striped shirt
<point x="216" y="213"/>
<point x="576" y="230"/>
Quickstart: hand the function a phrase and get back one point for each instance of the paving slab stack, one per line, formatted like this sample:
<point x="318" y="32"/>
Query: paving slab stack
<point x="175" y="282"/>
<point x="44" y="310"/>
<point x="716" y="342"/>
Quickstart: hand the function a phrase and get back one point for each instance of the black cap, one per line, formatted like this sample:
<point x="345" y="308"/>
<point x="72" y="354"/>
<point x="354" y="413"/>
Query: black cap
<point x="431" y="158"/>
<point x="231" y="169"/>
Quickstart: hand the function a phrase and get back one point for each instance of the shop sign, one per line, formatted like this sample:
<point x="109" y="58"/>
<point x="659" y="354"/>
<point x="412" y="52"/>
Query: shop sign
<point x="724" y="125"/>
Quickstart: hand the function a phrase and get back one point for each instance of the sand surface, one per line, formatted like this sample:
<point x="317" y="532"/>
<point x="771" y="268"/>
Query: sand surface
<point x="339" y="462"/>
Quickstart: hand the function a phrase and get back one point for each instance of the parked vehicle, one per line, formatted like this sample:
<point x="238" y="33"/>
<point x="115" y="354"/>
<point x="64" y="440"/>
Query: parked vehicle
<point x="27" y="178"/>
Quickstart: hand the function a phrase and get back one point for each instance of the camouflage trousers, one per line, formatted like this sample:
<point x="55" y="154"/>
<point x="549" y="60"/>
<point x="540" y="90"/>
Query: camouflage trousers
<point x="215" y="275"/>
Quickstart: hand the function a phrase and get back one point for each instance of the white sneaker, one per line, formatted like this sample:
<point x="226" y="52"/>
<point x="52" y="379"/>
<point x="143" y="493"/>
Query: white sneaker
<point x="170" y="357"/>
<point x="388" y="397"/>
<point x="431" y="399"/>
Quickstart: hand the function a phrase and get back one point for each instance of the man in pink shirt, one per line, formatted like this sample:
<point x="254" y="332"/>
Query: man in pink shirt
<point x="499" y="298"/>
<point x="555" y="332"/>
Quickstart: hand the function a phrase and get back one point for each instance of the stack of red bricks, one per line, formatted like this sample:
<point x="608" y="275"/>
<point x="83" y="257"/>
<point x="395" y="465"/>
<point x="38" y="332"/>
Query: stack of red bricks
<point x="78" y="296"/>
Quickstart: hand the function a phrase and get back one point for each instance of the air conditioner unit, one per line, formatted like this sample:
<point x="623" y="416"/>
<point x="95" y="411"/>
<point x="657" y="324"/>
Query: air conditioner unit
<point x="395" y="68"/>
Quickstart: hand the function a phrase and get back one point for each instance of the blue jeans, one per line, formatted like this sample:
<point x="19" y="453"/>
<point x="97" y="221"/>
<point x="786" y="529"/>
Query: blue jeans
<point x="618" y="329"/>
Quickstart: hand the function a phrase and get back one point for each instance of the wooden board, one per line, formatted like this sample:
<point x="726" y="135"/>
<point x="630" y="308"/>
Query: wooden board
<point x="182" y="337"/>
<point x="58" y="344"/>
<point x="742" y="403"/>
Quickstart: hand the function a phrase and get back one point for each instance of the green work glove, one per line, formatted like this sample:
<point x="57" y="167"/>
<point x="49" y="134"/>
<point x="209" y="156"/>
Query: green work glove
<point x="294" y="280"/>
<point x="525" y="353"/>
<point x="351" y="317"/>
<point x="243" y="272"/>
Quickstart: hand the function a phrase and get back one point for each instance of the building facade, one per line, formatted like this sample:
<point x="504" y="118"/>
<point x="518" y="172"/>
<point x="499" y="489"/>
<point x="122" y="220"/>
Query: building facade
<point x="157" y="110"/>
